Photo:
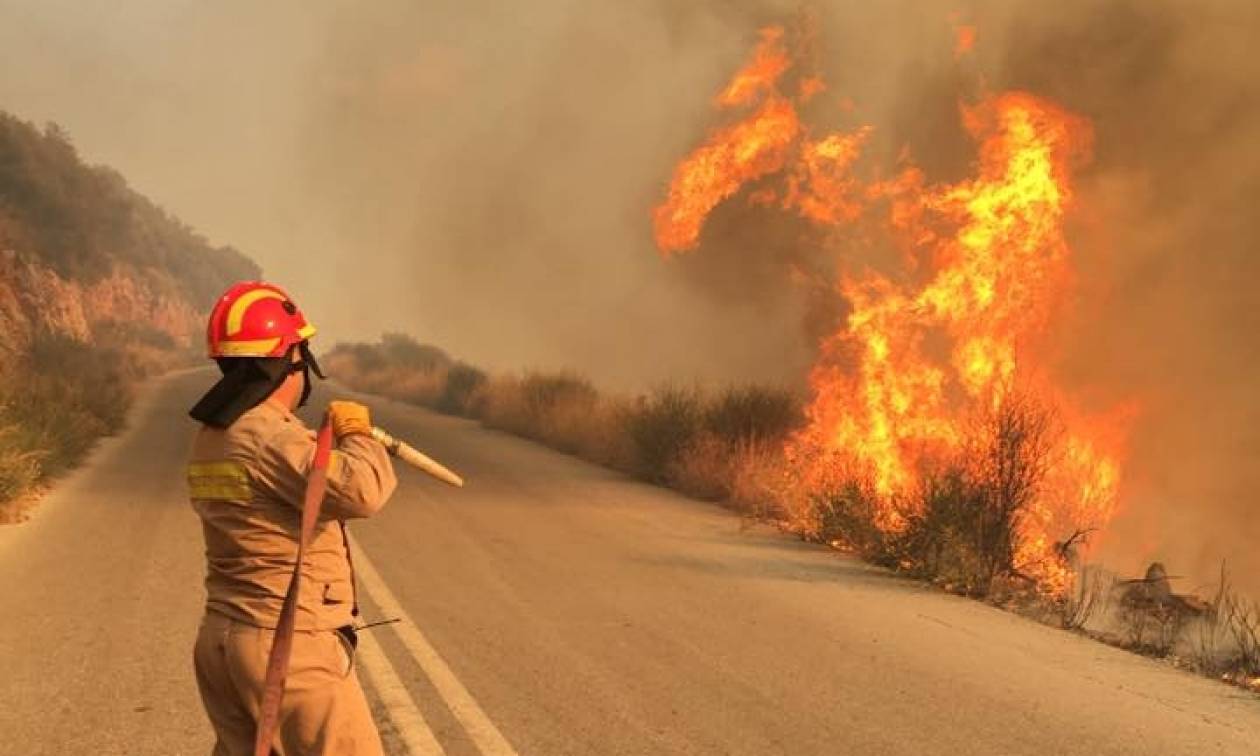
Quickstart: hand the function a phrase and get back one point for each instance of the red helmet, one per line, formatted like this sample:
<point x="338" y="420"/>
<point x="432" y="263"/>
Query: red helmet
<point x="255" y="319"/>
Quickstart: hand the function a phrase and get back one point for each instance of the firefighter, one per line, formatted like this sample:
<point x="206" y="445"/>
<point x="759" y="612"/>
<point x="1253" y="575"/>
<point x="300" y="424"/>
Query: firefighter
<point x="247" y="476"/>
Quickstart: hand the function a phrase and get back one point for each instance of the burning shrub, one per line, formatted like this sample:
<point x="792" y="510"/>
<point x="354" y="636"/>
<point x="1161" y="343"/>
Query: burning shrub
<point x="1009" y="468"/>
<point x="927" y="344"/>
<point x="848" y="517"/>
<point x="964" y="525"/>
<point x="945" y="538"/>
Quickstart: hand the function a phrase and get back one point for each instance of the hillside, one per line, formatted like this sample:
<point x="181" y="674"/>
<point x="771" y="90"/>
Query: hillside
<point x="99" y="288"/>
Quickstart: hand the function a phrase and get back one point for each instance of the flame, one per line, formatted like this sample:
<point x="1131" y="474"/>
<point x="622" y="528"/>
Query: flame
<point x="755" y="146"/>
<point x="927" y="349"/>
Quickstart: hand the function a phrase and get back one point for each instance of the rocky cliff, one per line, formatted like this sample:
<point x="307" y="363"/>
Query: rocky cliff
<point x="35" y="298"/>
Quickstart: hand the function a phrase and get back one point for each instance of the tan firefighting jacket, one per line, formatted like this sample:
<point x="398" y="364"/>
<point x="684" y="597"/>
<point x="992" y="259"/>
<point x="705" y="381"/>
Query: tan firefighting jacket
<point x="247" y="484"/>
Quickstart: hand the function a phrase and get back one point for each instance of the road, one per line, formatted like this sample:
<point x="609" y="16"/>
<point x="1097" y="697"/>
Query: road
<point x="552" y="607"/>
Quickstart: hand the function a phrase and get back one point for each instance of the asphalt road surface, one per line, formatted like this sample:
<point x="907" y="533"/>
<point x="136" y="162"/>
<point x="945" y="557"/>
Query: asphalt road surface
<point x="552" y="607"/>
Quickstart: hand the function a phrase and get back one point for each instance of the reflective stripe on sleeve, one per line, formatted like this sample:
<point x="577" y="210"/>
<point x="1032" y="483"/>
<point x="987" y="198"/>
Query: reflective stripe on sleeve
<point x="218" y="481"/>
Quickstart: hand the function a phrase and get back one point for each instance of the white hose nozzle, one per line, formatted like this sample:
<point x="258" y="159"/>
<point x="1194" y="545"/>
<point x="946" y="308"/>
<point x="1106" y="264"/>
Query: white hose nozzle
<point x="416" y="459"/>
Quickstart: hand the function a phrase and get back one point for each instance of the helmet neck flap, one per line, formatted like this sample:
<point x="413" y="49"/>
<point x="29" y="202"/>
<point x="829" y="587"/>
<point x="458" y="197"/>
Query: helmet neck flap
<point x="248" y="381"/>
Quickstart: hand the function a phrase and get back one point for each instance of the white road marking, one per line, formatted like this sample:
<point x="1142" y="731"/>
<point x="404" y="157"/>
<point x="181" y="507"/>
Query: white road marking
<point x="480" y="729"/>
<point x="403" y="713"/>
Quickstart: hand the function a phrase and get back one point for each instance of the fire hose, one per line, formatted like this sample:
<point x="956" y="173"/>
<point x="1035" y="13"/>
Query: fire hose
<point x="316" y="485"/>
<point x="415" y="458"/>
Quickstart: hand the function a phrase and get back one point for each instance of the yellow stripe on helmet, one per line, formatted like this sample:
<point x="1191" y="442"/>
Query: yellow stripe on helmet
<point x="236" y="315"/>
<point x="255" y="348"/>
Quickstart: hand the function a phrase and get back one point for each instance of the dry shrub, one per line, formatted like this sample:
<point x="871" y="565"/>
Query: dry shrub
<point x="1086" y="599"/>
<point x="708" y="447"/>
<point x="67" y="395"/>
<point x="416" y="386"/>
<point x="745" y="414"/>
<point x="761" y="484"/>
<point x="1242" y="618"/>
<point x="19" y="469"/>
<point x="403" y="369"/>
<point x="704" y="468"/>
<point x="722" y="447"/>
<point x="538" y="405"/>
<point x="57" y="402"/>
<point x="462" y="384"/>
<point x="498" y="404"/>
<point x="661" y="426"/>
<point x="598" y="434"/>
<point x="1152" y="617"/>
<point x="405" y="353"/>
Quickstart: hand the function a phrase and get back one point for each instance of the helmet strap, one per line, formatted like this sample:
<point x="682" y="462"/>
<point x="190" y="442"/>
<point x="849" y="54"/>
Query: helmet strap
<point x="309" y="365"/>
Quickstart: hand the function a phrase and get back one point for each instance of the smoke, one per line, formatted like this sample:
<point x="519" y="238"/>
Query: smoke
<point x="1166" y="243"/>
<point x="481" y="175"/>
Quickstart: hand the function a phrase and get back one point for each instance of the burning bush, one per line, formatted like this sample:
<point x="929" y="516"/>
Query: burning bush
<point x="848" y="516"/>
<point x="964" y="525"/>
<point x="933" y="336"/>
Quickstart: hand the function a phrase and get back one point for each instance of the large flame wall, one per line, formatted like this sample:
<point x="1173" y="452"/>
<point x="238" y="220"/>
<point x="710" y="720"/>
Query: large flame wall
<point x="951" y="333"/>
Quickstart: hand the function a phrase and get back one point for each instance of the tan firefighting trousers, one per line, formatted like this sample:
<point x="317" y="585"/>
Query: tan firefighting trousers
<point x="324" y="712"/>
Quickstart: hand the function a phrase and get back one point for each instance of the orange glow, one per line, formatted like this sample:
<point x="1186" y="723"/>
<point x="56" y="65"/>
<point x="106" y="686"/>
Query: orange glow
<point x="964" y="40"/>
<point x="926" y="350"/>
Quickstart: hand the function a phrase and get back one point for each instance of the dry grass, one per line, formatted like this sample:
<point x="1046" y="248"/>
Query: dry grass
<point x="723" y="447"/>
<point x="760" y="485"/>
<point x="1087" y="599"/>
<point x="704" y="468"/>
<point x="1228" y="639"/>
<point x="401" y="369"/>
<point x="64" y="396"/>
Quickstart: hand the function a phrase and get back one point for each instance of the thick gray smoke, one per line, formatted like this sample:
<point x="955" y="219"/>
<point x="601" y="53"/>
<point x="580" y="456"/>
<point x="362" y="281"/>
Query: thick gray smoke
<point x="482" y="176"/>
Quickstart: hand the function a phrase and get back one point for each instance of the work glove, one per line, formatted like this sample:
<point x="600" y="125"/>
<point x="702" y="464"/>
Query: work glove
<point x="348" y="418"/>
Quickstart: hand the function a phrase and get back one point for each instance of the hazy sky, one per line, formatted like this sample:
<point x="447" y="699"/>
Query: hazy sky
<point x="478" y="174"/>
<point x="482" y="174"/>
